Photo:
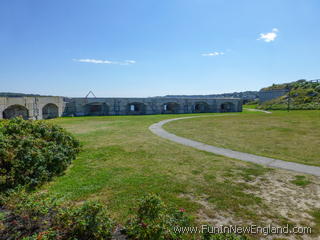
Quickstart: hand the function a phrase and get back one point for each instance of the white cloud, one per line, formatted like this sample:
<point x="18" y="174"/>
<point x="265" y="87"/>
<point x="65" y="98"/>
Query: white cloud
<point x="99" y="61"/>
<point x="130" y="61"/>
<point x="270" y="36"/>
<point x="212" y="54"/>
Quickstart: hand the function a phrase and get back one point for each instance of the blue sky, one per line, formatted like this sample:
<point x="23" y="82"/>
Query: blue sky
<point x="146" y="48"/>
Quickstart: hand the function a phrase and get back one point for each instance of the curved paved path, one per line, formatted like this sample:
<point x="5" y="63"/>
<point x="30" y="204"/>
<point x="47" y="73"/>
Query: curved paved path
<point x="257" y="110"/>
<point x="269" y="162"/>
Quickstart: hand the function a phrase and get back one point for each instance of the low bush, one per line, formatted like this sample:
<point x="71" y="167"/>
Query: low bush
<point x="38" y="216"/>
<point x="153" y="220"/>
<point x="89" y="221"/>
<point x="32" y="152"/>
<point x="26" y="214"/>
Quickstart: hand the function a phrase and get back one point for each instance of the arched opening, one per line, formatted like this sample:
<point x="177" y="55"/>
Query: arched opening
<point x="96" y="109"/>
<point x="171" y="107"/>
<point x="50" y="111"/>
<point x="16" y="111"/>
<point x="201" y="107"/>
<point x="227" y="107"/>
<point x="136" y="108"/>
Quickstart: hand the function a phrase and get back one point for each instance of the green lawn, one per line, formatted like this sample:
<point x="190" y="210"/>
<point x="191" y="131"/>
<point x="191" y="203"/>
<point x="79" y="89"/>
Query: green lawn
<point x="291" y="136"/>
<point x="250" y="106"/>
<point x="122" y="161"/>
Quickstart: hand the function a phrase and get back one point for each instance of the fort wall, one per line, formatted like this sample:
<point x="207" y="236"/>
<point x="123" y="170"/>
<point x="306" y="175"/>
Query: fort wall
<point x="52" y="107"/>
<point x="271" y="94"/>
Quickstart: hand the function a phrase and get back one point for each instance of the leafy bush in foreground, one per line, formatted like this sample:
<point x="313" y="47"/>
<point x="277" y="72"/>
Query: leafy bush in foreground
<point x="153" y="220"/>
<point x="32" y="152"/>
<point x="26" y="214"/>
<point x="89" y="221"/>
<point x="38" y="216"/>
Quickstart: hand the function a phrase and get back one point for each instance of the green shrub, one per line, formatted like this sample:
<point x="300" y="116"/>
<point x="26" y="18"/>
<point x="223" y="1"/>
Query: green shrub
<point x="32" y="216"/>
<point x="32" y="152"/>
<point x="89" y="221"/>
<point x="27" y="214"/>
<point x="154" y="220"/>
<point x="22" y="203"/>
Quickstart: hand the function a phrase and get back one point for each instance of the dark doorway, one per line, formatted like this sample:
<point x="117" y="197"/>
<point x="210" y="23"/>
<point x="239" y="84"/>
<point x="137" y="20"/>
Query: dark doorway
<point x="136" y="108"/>
<point x="16" y="111"/>
<point x="50" y="111"/>
<point x="201" y="107"/>
<point x="227" y="107"/>
<point x="96" y="109"/>
<point x="171" y="107"/>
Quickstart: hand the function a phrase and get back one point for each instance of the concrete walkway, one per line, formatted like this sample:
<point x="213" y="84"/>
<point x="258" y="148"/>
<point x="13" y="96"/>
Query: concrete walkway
<point x="257" y="110"/>
<point x="269" y="162"/>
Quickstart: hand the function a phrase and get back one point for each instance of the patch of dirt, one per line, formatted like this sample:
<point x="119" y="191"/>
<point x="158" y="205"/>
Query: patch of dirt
<point x="209" y="215"/>
<point x="287" y="199"/>
<point x="284" y="199"/>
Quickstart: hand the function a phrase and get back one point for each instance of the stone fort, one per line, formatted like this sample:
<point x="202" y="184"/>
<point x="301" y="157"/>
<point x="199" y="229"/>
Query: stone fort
<point x="41" y="107"/>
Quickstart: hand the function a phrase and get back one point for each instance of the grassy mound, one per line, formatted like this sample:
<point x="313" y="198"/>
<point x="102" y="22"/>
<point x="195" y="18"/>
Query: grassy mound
<point x="304" y="95"/>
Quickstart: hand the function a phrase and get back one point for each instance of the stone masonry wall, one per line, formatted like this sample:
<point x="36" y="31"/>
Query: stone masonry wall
<point x="32" y="105"/>
<point x="121" y="106"/>
<point x="50" y="107"/>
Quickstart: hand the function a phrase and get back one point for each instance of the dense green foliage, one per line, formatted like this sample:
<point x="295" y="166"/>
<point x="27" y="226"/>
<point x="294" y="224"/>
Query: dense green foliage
<point x="34" y="216"/>
<point x="32" y="152"/>
<point x="25" y="213"/>
<point x="154" y="220"/>
<point x="89" y="221"/>
<point x="303" y="95"/>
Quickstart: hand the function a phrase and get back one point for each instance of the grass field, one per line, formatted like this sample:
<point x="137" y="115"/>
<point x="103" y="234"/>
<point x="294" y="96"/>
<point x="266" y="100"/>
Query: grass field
<point x="291" y="136"/>
<point x="122" y="160"/>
